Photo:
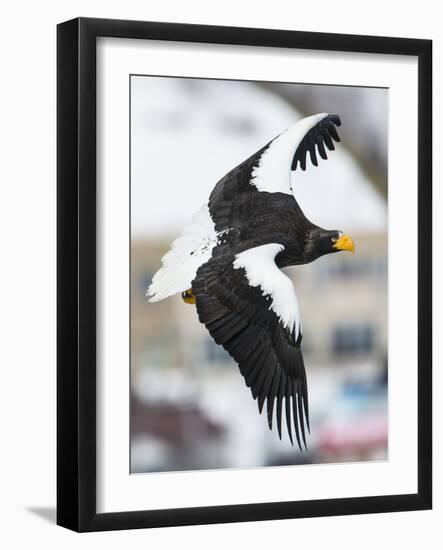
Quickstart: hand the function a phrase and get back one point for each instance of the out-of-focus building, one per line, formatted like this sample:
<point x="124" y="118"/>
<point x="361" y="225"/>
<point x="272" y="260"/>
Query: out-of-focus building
<point x="343" y="303"/>
<point x="152" y="329"/>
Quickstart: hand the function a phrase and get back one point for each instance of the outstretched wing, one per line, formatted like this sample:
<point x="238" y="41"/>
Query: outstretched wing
<point x="250" y="307"/>
<point x="246" y="196"/>
<point x="269" y="169"/>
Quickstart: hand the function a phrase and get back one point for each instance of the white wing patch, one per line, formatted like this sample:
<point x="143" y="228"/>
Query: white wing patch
<point x="273" y="174"/>
<point x="261" y="270"/>
<point x="188" y="252"/>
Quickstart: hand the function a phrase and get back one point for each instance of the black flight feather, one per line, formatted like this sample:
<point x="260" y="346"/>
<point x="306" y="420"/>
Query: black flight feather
<point x="280" y="397"/>
<point x="241" y="319"/>
<point x="300" y="416"/>
<point x="288" y="409"/>
<point x="296" y="419"/>
<point x="321" y="134"/>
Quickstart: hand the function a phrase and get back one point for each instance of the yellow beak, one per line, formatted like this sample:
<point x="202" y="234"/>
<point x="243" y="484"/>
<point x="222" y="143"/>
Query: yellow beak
<point x="345" y="243"/>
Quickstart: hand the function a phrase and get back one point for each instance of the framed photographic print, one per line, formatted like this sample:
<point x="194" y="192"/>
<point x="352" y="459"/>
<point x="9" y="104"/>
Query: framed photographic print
<point x="244" y="274"/>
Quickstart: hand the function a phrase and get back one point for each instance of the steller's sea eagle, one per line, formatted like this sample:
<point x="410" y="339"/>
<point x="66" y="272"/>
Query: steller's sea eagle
<point x="228" y="263"/>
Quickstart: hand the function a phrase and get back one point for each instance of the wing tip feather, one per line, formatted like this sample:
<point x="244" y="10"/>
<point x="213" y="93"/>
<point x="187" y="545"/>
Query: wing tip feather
<point x="325" y="132"/>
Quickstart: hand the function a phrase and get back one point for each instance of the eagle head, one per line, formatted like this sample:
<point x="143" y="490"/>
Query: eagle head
<point x="321" y="241"/>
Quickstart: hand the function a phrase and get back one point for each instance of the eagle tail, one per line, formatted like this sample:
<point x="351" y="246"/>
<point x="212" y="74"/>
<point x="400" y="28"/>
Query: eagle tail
<point x="188" y="252"/>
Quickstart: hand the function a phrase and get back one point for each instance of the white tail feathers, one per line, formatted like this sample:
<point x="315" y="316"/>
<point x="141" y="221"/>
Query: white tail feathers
<point x="188" y="252"/>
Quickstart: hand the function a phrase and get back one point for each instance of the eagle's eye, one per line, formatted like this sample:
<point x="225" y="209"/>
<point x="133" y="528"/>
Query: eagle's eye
<point x="333" y="239"/>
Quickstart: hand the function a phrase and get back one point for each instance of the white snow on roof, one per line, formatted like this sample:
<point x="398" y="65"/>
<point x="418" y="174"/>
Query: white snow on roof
<point x="187" y="134"/>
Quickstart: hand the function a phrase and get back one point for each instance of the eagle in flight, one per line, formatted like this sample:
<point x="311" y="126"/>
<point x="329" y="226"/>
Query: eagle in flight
<point x="228" y="263"/>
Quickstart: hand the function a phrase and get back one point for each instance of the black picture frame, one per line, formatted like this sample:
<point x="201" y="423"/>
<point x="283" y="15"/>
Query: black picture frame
<point x="76" y="279"/>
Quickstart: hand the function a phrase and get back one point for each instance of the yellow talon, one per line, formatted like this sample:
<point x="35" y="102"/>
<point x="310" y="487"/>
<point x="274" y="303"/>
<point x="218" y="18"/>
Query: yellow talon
<point x="188" y="297"/>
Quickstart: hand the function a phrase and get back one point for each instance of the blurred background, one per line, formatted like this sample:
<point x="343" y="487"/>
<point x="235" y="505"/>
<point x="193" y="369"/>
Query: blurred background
<point x="190" y="407"/>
